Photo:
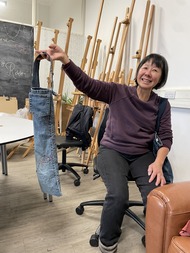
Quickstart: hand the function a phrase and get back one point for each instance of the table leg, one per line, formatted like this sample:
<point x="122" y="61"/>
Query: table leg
<point x="4" y="159"/>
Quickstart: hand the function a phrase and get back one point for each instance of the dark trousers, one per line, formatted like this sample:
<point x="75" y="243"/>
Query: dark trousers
<point x="115" y="168"/>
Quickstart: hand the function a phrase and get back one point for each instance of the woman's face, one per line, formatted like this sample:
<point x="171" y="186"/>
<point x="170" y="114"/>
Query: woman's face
<point x="149" y="75"/>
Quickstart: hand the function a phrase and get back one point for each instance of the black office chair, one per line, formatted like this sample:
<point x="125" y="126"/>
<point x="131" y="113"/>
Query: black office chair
<point x="80" y="209"/>
<point x="77" y="135"/>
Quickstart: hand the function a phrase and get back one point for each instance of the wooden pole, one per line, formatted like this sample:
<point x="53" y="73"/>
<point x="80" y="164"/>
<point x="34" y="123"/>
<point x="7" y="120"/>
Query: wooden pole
<point x="123" y="41"/>
<point x="88" y="101"/>
<point x="152" y="10"/>
<point x="37" y="41"/>
<point x="54" y="40"/>
<point x="76" y="93"/>
<point x="142" y="52"/>
<point x="95" y="60"/>
<point x="84" y="59"/>
<point x="139" y="51"/>
<point x="91" y="149"/>
<point x="110" y="50"/>
<point x="128" y="82"/>
<point x="62" y="78"/>
<point x="95" y="38"/>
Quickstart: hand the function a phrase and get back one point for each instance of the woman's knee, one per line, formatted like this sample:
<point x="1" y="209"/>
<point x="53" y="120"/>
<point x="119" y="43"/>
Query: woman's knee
<point x="119" y="198"/>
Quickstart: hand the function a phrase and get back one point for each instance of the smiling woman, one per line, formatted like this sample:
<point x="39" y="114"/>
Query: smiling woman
<point x="126" y="147"/>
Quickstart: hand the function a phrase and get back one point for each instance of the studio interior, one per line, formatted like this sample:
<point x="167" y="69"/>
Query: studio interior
<point x="52" y="194"/>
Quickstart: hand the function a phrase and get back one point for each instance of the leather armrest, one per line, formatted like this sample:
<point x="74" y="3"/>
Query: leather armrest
<point x="168" y="210"/>
<point x="179" y="244"/>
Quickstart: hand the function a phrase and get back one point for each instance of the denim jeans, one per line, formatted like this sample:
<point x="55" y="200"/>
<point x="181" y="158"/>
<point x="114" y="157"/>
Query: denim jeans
<point x="115" y="168"/>
<point x="42" y="109"/>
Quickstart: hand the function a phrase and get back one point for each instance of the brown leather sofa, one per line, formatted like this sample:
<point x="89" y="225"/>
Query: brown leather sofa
<point x="168" y="210"/>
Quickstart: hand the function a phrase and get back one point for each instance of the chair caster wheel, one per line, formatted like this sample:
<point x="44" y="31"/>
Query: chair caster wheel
<point x="94" y="240"/>
<point x="80" y="210"/>
<point x="77" y="182"/>
<point x="85" y="171"/>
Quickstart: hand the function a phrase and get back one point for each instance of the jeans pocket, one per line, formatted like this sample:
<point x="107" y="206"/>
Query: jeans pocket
<point x="40" y="103"/>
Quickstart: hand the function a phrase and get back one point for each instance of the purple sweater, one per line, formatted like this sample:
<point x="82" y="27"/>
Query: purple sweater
<point x="131" y="123"/>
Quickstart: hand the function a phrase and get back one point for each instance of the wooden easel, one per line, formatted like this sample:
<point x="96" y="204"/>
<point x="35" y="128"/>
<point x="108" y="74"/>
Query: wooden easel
<point x="94" y="39"/>
<point x="152" y="10"/>
<point x="92" y="63"/>
<point x="77" y="94"/>
<point x="112" y="48"/>
<point x="58" y="98"/>
<point x="104" y="76"/>
<point x="126" y="22"/>
<point x="37" y="42"/>
<point x="141" y="52"/>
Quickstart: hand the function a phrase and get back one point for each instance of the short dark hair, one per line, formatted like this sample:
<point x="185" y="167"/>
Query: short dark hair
<point x="161" y="63"/>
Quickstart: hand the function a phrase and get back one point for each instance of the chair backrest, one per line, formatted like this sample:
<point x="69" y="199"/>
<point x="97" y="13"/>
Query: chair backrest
<point x="102" y="126"/>
<point x="80" y="122"/>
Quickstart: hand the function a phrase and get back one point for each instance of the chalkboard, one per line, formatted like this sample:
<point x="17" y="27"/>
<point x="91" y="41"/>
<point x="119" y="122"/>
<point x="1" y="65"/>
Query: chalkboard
<point x="16" y="60"/>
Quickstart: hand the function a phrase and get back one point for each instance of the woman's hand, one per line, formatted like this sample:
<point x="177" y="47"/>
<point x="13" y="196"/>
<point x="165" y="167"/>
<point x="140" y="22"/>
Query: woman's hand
<point x="56" y="53"/>
<point x="155" y="168"/>
<point x="155" y="171"/>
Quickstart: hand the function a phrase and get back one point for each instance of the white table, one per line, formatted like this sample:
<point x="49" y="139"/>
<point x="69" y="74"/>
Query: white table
<point x="12" y="129"/>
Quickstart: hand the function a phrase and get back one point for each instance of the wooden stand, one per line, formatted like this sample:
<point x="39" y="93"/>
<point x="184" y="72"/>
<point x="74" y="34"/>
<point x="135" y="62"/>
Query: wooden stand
<point x="58" y="98"/>
<point x="126" y="22"/>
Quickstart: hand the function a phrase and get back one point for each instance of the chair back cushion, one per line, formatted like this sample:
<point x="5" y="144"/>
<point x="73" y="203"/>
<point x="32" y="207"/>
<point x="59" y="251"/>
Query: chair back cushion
<point x="79" y="124"/>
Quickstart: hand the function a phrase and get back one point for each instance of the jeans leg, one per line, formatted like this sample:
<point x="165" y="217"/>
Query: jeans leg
<point x="41" y="106"/>
<point x="139" y="172"/>
<point x="113" y="169"/>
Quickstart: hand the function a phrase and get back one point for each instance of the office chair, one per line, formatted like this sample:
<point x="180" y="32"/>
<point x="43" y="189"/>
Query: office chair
<point x="80" y="209"/>
<point x="77" y="135"/>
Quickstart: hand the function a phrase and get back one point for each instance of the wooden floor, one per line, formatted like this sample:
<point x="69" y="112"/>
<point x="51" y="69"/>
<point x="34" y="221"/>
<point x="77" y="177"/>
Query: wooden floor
<point x="29" y="224"/>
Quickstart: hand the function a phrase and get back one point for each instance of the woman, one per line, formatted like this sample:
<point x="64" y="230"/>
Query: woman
<point x="126" y="147"/>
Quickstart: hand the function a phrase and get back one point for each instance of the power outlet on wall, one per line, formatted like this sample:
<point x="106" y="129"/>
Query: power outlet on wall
<point x="170" y="94"/>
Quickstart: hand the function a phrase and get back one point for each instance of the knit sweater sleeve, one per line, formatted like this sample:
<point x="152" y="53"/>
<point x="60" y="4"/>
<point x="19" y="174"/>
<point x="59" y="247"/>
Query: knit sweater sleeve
<point x="93" y="88"/>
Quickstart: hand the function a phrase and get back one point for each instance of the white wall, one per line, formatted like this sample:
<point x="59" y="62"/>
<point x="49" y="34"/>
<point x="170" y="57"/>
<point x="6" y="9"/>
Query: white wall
<point x="61" y="10"/>
<point x="179" y="154"/>
<point x="53" y="13"/>
<point x="20" y="11"/>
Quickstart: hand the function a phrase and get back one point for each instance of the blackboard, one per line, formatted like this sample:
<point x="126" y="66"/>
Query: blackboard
<point x="16" y="60"/>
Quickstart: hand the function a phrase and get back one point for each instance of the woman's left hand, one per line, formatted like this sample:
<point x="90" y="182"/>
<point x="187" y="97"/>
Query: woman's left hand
<point x="155" y="171"/>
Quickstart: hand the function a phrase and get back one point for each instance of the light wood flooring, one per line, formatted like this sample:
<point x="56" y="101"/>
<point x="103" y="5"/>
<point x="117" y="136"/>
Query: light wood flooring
<point x="30" y="224"/>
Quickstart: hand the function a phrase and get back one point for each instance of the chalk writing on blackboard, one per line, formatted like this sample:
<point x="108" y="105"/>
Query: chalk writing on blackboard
<point x="16" y="60"/>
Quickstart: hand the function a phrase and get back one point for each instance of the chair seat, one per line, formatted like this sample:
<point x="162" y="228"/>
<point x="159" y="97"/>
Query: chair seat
<point x="64" y="142"/>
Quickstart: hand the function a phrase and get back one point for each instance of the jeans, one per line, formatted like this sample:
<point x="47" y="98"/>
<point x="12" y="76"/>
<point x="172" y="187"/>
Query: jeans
<point x="115" y="168"/>
<point x="42" y="108"/>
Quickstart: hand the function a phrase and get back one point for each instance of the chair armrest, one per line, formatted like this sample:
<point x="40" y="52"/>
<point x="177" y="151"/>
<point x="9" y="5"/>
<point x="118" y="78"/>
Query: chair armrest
<point x="168" y="210"/>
